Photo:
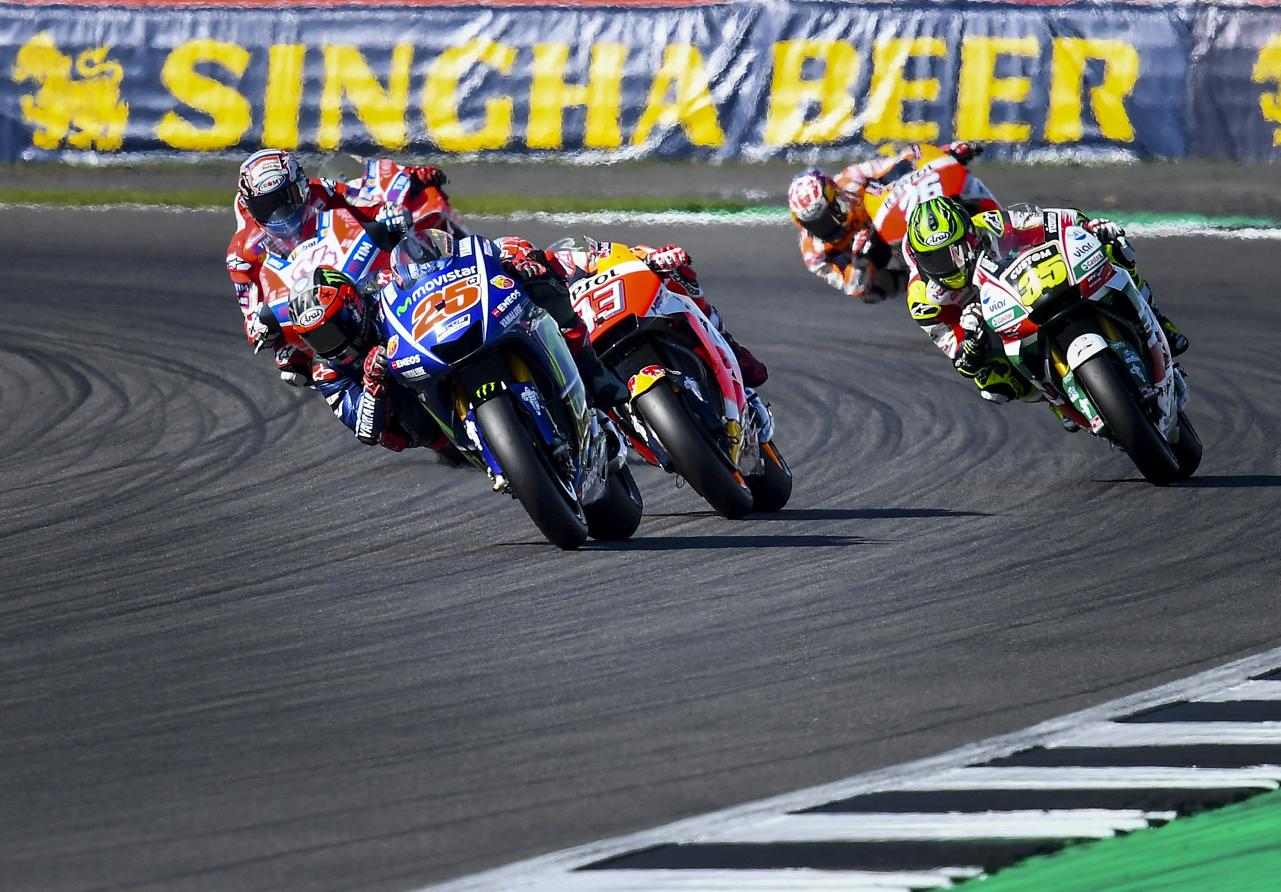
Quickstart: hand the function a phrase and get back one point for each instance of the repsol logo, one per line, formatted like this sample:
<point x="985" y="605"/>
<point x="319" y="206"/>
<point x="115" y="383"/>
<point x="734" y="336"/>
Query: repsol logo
<point x="594" y="282"/>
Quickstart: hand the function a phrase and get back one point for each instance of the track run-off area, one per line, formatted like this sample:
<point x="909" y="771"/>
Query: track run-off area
<point x="241" y="651"/>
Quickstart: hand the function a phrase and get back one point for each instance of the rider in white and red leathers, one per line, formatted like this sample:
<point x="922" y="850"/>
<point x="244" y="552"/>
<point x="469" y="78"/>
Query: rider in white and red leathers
<point x="276" y="208"/>
<point x="941" y="249"/>
<point x="673" y="265"/>
<point x="838" y="241"/>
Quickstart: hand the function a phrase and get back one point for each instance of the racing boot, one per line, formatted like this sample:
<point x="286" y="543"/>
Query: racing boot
<point x="998" y="382"/>
<point x="1068" y="424"/>
<point x="604" y="389"/>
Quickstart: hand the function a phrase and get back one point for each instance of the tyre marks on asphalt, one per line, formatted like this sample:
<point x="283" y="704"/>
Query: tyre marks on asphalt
<point x="1140" y="762"/>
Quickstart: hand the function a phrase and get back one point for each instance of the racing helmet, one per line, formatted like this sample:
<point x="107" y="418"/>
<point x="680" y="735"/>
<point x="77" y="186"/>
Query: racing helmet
<point x="274" y="190"/>
<point x="330" y="316"/>
<point x="943" y="242"/>
<point x="420" y="253"/>
<point x="822" y="208"/>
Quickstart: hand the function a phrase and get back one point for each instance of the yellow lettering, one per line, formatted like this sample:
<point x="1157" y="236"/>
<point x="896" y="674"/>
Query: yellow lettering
<point x="1267" y="70"/>
<point x="890" y="89"/>
<point x="691" y="107"/>
<point x="980" y="87"/>
<point x="1107" y="100"/>
<point x="381" y="111"/>
<point x="230" y="110"/>
<point x="284" y="96"/>
<point x="549" y="96"/>
<point x="440" y="98"/>
<point x="791" y="94"/>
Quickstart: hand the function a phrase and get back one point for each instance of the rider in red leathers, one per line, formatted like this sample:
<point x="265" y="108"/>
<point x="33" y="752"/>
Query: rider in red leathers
<point x="671" y="262"/>
<point x="838" y="241"/>
<point x="276" y="207"/>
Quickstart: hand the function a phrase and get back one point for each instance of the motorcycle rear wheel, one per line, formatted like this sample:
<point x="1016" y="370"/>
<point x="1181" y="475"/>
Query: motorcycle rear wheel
<point x="1188" y="449"/>
<point x="693" y="454"/>
<point x="773" y="486"/>
<point x="1112" y="393"/>
<point x="617" y="514"/>
<point x="549" y="506"/>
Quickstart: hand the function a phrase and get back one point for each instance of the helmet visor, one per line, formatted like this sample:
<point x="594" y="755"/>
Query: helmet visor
<point x="278" y="205"/>
<point x="948" y="266"/>
<point x="335" y="339"/>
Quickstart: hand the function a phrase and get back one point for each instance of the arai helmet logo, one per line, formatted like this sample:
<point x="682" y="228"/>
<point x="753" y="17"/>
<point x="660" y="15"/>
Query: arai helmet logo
<point x="311" y="316"/>
<point x="936" y="238"/>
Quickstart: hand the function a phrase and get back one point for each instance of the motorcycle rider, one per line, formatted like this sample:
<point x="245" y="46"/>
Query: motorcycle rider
<point x="349" y="368"/>
<point x="838" y="241"/>
<point x="573" y="258"/>
<point x="343" y="327"/>
<point x="942" y="248"/>
<point x="276" y="207"/>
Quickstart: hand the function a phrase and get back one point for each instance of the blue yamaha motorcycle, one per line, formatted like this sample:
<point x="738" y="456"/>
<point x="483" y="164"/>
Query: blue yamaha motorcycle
<point x="494" y="371"/>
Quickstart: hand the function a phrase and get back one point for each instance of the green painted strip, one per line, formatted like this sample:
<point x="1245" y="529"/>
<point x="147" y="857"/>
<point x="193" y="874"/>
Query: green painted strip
<point x="1236" y="848"/>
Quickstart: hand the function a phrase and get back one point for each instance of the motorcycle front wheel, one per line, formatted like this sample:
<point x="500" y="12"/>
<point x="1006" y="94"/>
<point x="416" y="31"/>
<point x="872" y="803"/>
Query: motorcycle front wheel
<point x="552" y="509"/>
<point x="773" y="486"/>
<point x="617" y="514"/>
<point x="1111" y="391"/>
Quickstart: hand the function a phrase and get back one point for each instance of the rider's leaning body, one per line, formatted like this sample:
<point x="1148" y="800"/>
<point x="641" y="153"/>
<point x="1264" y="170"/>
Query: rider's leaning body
<point x="838" y="240"/>
<point x="941" y="250"/>
<point x="277" y="208"/>
<point x="573" y="258"/>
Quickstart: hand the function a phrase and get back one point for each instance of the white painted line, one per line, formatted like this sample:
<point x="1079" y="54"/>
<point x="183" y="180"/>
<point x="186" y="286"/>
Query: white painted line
<point x="1267" y="778"/>
<point x="1115" y="734"/>
<point x="1064" y="823"/>
<point x="765" y="216"/>
<point x="791" y="880"/>
<point x="1247" y="690"/>
<point x="945" y="771"/>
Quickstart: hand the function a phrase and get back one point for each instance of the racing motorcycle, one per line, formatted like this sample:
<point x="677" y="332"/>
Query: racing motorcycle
<point x="493" y="370"/>
<point x="1075" y="325"/>
<point x="890" y="198"/>
<point x="689" y="411"/>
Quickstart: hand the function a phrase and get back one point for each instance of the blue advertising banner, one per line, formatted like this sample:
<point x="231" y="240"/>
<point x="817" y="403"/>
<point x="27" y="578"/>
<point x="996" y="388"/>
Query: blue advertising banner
<point x="587" y="82"/>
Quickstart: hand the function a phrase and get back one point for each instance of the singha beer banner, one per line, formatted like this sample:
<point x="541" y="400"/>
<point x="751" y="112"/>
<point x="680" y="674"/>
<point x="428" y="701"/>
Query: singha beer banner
<point x="586" y="82"/>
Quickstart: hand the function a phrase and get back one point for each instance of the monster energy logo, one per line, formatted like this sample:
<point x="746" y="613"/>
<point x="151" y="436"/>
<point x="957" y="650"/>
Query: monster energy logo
<point x="486" y="389"/>
<point x="331" y="276"/>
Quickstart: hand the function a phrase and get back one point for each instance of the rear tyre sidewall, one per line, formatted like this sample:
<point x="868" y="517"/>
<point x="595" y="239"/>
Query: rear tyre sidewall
<point x="1188" y="449"/>
<point x="536" y="487"/>
<point x="616" y="514"/>
<point x="771" y="488"/>
<point x="693" y="453"/>
<point x="1114" y="396"/>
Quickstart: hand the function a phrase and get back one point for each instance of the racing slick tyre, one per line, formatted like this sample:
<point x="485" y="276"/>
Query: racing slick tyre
<point x="617" y="513"/>
<point x="1188" y="449"/>
<point x="773" y="486"/>
<point x="1110" y="390"/>
<point x="550" y="506"/>
<point x="693" y="453"/>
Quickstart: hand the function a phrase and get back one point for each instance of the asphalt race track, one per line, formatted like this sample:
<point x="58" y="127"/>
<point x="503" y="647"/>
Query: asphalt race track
<point x="238" y="650"/>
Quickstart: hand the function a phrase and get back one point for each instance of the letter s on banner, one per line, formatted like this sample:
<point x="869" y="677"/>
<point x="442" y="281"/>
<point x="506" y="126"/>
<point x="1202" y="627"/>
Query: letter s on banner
<point x="230" y="110"/>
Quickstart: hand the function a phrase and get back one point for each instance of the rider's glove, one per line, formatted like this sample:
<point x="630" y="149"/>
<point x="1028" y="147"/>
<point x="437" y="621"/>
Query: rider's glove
<point x="668" y="259"/>
<point x="375" y="371"/>
<point x="1105" y="230"/>
<point x="973" y="353"/>
<point x="294" y="366"/>
<point x="964" y="152"/>
<point x="396" y="219"/>
<point x="426" y="175"/>
<point x="260" y="336"/>
<point x="527" y="268"/>
<point x="674" y="261"/>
